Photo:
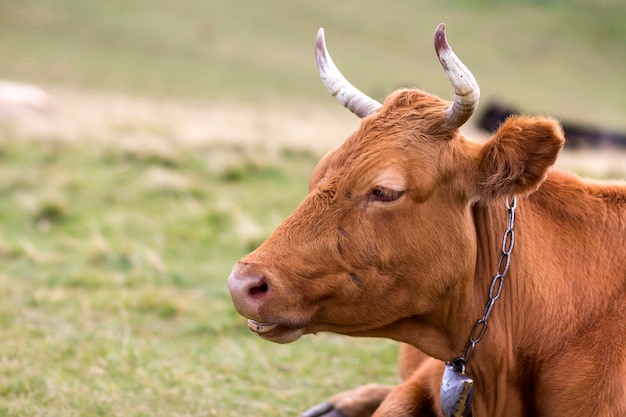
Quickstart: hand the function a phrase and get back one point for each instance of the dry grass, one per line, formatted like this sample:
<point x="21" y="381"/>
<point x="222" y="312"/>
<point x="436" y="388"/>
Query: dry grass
<point x="158" y="126"/>
<point x="157" y="122"/>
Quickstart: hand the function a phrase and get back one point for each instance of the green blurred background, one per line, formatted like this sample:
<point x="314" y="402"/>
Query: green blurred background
<point x="557" y="56"/>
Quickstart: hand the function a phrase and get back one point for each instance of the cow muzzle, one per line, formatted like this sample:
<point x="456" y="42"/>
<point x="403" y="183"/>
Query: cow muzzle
<point x="249" y="290"/>
<point x="253" y="295"/>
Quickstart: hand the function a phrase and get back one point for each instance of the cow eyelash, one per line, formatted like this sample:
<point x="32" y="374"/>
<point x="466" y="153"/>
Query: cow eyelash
<point x="385" y="194"/>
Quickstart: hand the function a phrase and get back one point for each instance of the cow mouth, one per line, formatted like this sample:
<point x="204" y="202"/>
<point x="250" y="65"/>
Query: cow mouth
<point x="275" y="332"/>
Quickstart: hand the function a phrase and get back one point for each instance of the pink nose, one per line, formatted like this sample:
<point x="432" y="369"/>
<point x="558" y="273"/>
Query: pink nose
<point x="249" y="290"/>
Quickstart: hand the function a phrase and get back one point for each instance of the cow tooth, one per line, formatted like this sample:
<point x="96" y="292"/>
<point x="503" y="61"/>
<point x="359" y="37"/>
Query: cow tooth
<point x="258" y="327"/>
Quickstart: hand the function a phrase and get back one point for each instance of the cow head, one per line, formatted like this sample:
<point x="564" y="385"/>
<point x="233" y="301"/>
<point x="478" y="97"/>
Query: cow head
<point x="386" y="232"/>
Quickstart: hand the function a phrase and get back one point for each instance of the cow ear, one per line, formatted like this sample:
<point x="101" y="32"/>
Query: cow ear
<point x="516" y="159"/>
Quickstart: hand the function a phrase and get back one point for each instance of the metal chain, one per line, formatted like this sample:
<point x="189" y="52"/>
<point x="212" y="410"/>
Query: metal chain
<point x="480" y="327"/>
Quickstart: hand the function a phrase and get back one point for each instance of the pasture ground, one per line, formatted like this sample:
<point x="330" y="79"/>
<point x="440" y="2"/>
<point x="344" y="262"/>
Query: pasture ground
<point x="116" y="245"/>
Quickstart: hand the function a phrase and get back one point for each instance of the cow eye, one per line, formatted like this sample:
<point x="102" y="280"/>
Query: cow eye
<point x="385" y="194"/>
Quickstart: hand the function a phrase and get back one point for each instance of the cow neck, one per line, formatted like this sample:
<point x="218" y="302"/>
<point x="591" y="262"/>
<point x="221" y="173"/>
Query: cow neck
<point x="495" y="289"/>
<point x="457" y="388"/>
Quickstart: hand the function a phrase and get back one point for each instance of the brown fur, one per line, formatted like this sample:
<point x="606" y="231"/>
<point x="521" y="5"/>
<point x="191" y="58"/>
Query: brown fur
<point x="418" y="269"/>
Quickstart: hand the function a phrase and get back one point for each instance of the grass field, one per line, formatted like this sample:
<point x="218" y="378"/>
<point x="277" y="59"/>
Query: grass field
<point x="182" y="133"/>
<point x="113" y="284"/>
<point x="557" y="56"/>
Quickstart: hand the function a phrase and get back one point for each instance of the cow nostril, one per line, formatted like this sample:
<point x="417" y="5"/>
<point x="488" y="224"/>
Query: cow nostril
<point x="248" y="288"/>
<point x="260" y="289"/>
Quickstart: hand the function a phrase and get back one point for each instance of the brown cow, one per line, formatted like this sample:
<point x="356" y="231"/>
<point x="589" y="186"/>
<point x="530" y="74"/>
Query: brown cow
<point x="408" y="232"/>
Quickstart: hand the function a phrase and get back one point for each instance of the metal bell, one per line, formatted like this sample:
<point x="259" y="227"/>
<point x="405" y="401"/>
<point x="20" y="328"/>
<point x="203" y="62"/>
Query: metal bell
<point x="457" y="391"/>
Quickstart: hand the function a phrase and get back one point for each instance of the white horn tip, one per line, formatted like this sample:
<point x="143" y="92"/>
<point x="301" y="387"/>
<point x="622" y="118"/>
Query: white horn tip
<point x="321" y="53"/>
<point x="337" y="85"/>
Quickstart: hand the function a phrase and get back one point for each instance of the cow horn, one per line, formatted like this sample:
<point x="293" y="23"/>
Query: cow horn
<point x="351" y="97"/>
<point x="466" y="91"/>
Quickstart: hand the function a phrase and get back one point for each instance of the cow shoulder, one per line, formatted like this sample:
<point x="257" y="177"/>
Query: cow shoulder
<point x="516" y="159"/>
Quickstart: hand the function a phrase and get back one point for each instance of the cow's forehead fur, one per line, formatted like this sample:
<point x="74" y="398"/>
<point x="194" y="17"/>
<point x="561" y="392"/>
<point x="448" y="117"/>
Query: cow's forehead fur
<point x="406" y="117"/>
<point x="407" y="135"/>
<point x="415" y="104"/>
